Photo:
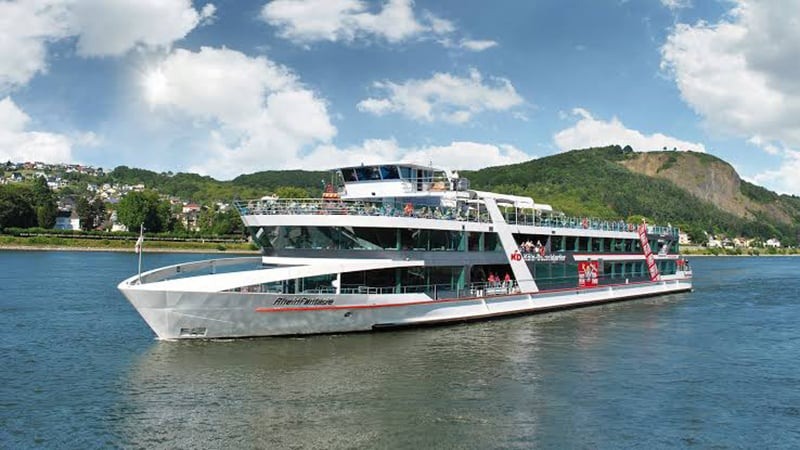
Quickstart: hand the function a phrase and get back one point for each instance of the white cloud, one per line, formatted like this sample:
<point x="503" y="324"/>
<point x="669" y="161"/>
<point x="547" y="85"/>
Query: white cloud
<point x="256" y="112"/>
<point x="25" y="30"/>
<point x="102" y="28"/>
<point x="333" y="20"/>
<point x="443" y="97"/>
<point x="308" y="21"/>
<point x="477" y="45"/>
<point x="457" y="155"/>
<point x="109" y="28"/>
<point x="676" y="4"/>
<point x="591" y="132"/>
<point x="207" y="14"/>
<point x="741" y="73"/>
<point x="769" y="147"/>
<point x="785" y="179"/>
<point x="18" y="144"/>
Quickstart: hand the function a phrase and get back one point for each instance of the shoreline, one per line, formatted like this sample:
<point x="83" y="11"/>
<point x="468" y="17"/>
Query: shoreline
<point x="46" y="248"/>
<point x="150" y="249"/>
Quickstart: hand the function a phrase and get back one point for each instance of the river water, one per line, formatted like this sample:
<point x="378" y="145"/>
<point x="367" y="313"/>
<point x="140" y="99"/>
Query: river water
<point x="718" y="367"/>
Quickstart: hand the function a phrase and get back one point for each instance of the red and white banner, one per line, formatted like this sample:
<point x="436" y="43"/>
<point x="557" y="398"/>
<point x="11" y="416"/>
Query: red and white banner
<point x="588" y="274"/>
<point x="650" y="260"/>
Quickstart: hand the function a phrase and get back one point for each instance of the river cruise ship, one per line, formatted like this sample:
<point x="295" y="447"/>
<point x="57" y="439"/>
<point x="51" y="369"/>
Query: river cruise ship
<point x="401" y="245"/>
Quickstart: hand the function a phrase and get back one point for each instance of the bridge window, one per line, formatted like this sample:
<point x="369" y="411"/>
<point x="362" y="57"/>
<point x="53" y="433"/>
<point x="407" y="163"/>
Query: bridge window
<point x="389" y="173"/>
<point x="349" y="175"/>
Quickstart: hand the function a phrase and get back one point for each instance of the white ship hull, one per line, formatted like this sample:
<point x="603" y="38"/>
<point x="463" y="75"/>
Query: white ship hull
<point x="182" y="315"/>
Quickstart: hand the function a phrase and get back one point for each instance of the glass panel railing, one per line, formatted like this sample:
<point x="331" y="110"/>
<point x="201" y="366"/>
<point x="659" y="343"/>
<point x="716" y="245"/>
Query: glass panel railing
<point x="470" y="212"/>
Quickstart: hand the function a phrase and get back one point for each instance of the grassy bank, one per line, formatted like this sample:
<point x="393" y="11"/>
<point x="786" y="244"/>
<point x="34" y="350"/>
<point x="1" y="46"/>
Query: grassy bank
<point x="63" y="243"/>
<point x="703" y="251"/>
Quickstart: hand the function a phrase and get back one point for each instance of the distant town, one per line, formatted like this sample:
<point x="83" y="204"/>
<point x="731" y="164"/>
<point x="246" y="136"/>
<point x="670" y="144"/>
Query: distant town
<point x="67" y="181"/>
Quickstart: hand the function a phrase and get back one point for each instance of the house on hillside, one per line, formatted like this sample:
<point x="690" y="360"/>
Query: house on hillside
<point x="190" y="213"/>
<point x="683" y="238"/>
<point x="713" y="242"/>
<point x="772" y="242"/>
<point x="67" y="219"/>
<point x="115" y="224"/>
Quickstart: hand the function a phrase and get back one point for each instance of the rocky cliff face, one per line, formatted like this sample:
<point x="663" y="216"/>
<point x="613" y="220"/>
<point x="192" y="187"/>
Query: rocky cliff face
<point x="705" y="177"/>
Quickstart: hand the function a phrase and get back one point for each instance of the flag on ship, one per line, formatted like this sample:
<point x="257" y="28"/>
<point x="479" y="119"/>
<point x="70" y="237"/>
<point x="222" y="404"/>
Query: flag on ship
<point x="138" y="247"/>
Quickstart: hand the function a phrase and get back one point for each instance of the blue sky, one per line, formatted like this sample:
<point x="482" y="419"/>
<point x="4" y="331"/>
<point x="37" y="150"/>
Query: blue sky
<point x="237" y="86"/>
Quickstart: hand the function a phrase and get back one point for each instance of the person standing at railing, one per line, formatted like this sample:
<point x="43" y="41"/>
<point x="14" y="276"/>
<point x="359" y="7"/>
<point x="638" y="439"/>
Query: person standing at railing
<point x="507" y="282"/>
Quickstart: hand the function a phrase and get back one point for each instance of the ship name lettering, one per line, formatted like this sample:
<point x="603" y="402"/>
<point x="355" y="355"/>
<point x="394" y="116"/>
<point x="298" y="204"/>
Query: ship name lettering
<point x="303" y="301"/>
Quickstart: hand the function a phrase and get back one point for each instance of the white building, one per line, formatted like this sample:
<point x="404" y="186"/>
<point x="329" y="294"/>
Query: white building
<point x="67" y="220"/>
<point x="772" y="242"/>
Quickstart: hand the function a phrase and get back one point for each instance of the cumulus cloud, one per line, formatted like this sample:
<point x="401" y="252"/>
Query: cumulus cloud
<point x="740" y="73"/>
<point x="255" y="111"/>
<point x="102" y="28"/>
<point x="334" y="20"/>
<point x="443" y="97"/>
<point x="456" y="155"/>
<point x="592" y="132"/>
<point x="17" y="143"/>
<point x="784" y="179"/>
<point x="308" y="21"/>
<point x="27" y="27"/>
<point x="108" y="28"/>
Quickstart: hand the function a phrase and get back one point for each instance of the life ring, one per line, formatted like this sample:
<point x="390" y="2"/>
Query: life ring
<point x="585" y="223"/>
<point x="630" y="227"/>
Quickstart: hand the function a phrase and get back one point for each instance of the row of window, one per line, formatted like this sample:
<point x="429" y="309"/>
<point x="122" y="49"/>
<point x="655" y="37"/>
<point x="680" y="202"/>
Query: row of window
<point x="456" y="281"/>
<point x="367" y="238"/>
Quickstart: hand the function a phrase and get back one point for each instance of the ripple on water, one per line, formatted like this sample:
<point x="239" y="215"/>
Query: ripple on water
<point x="715" y="368"/>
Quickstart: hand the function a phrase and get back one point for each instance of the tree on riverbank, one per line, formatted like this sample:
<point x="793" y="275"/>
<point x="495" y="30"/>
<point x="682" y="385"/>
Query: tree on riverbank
<point x="27" y="205"/>
<point x="146" y="208"/>
<point x="15" y="209"/>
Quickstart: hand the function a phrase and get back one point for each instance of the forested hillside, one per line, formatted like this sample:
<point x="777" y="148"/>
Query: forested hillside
<point x="693" y="190"/>
<point x="596" y="182"/>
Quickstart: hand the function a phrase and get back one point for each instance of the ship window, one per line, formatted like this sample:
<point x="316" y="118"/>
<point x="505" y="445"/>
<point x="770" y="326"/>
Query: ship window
<point x="389" y="173"/>
<point x="405" y="173"/>
<point x="349" y="175"/>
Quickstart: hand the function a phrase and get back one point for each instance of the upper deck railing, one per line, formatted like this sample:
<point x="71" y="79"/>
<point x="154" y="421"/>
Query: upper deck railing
<point x="465" y="212"/>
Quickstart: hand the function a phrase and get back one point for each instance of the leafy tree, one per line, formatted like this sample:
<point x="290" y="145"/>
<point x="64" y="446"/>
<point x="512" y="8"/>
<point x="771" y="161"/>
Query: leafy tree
<point x="228" y="222"/>
<point x="90" y="213"/>
<point x="16" y="209"/>
<point x="214" y="221"/>
<point x="44" y="202"/>
<point x="205" y="220"/>
<point x="99" y="211"/>
<point x="291" y="192"/>
<point x="84" y="210"/>
<point x="697" y="235"/>
<point x="146" y="208"/>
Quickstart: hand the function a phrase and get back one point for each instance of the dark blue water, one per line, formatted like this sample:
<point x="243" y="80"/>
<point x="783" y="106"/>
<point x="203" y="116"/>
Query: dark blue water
<point x="719" y="367"/>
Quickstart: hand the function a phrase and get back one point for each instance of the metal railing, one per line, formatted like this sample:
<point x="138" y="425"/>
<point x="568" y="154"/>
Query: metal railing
<point x="472" y="212"/>
<point x="314" y="206"/>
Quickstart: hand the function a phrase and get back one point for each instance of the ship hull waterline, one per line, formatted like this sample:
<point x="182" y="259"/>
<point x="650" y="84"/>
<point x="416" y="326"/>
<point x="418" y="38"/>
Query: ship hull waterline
<point x="176" y="315"/>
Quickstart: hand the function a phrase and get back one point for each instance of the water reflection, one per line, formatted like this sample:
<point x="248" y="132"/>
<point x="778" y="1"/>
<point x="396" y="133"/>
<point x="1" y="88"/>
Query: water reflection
<point x="326" y="391"/>
<point x="505" y="383"/>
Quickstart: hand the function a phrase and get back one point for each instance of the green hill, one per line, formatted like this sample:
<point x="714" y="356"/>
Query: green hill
<point x="693" y="190"/>
<point x="696" y="191"/>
